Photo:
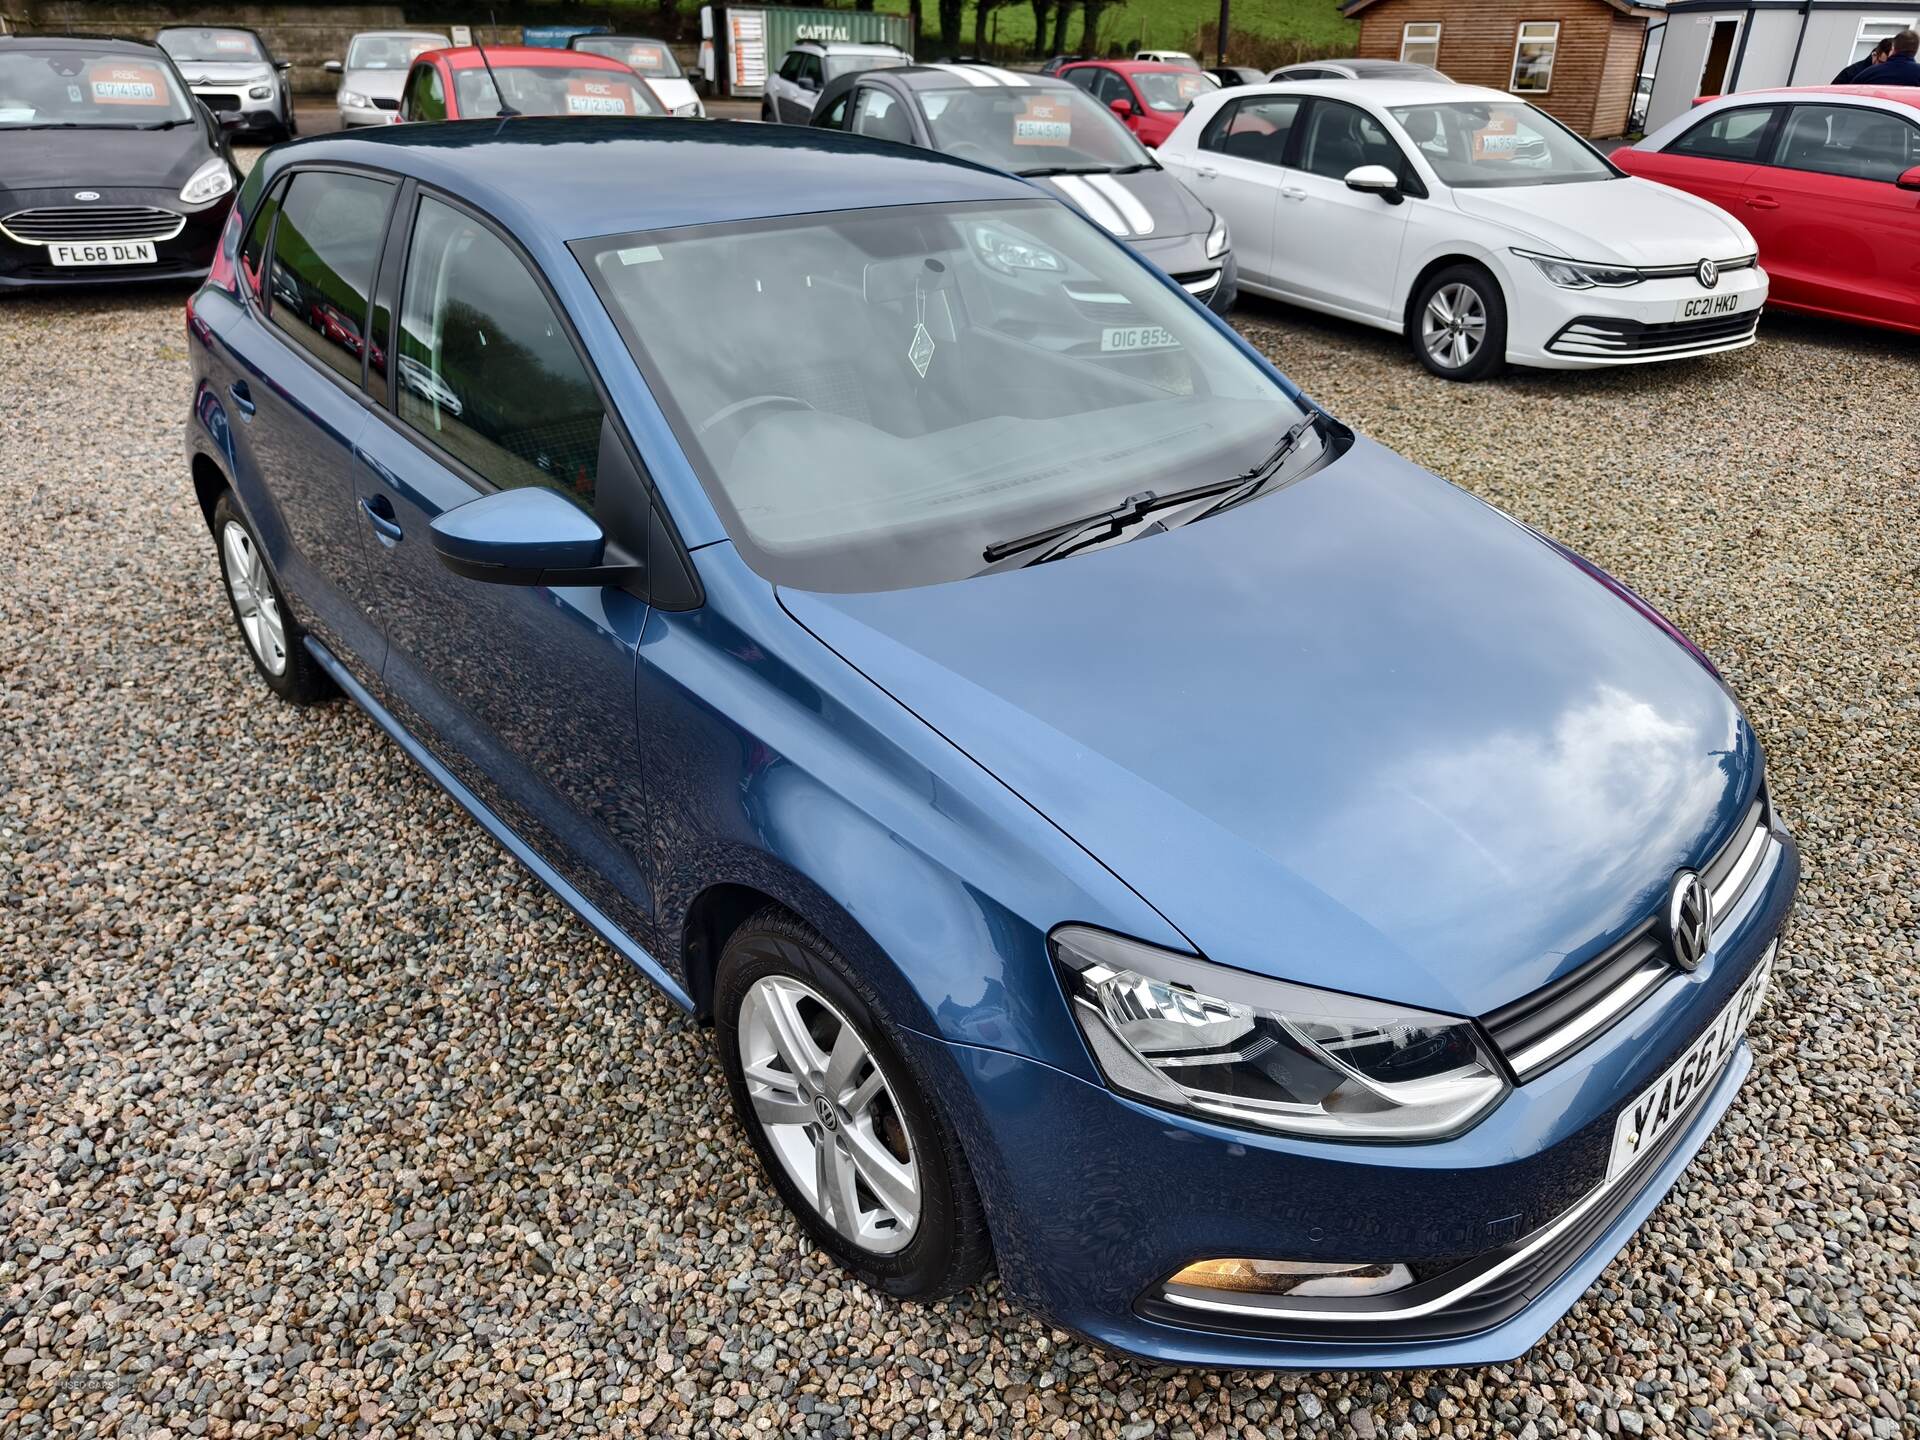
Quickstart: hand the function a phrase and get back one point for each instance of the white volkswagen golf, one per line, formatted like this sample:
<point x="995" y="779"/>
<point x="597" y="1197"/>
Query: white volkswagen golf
<point x="1469" y="221"/>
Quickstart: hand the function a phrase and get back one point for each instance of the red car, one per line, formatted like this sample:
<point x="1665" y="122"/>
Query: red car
<point x="1149" y="96"/>
<point x="524" y="79"/>
<point x="1827" y="179"/>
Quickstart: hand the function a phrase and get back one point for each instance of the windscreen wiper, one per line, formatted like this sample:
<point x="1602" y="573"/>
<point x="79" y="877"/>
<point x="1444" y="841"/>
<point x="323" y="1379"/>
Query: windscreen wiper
<point x="1068" y="170"/>
<point x="1063" y="539"/>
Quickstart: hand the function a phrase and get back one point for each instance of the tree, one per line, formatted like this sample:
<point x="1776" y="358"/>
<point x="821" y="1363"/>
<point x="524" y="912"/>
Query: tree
<point x="981" y="10"/>
<point x="950" y="24"/>
<point x="1040" y="12"/>
<point x="1062" y="9"/>
<point x="1090" y="25"/>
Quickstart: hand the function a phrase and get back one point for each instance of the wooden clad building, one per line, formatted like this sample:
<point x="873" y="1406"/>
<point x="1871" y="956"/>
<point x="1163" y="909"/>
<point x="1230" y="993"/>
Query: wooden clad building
<point x="1575" y="59"/>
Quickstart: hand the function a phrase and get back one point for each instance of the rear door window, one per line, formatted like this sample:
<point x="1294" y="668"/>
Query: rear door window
<point x="487" y="371"/>
<point x="1254" y="129"/>
<point x="325" y="247"/>
<point x="426" y="98"/>
<point x="1739" y="134"/>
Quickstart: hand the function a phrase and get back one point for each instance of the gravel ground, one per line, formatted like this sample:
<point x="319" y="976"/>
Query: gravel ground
<point x="318" y="1116"/>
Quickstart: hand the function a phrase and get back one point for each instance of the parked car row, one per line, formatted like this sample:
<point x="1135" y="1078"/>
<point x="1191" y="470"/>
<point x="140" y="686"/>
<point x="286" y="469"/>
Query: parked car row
<point x="1039" y="739"/>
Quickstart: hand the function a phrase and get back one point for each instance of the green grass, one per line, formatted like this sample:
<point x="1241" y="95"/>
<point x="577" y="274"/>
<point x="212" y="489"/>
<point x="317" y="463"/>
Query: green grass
<point x="1167" y="24"/>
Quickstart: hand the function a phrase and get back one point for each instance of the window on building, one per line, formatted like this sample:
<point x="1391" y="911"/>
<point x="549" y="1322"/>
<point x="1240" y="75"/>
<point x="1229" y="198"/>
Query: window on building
<point x="1873" y="31"/>
<point x="1533" y="57"/>
<point x="1420" y="43"/>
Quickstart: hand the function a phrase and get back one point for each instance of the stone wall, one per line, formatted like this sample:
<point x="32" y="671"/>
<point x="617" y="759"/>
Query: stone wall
<point x="308" y="35"/>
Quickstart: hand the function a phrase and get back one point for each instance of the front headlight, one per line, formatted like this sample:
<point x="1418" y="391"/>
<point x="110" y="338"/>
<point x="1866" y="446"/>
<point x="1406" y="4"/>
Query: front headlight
<point x="1576" y="275"/>
<point x="1185" y="1034"/>
<point x="1008" y="253"/>
<point x="261" y="92"/>
<point x="354" y="100"/>
<point x="1218" y="240"/>
<point x="213" y="179"/>
<point x="691" y="109"/>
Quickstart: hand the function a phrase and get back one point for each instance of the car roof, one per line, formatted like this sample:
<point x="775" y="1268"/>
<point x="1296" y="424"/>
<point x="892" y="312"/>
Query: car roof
<point x="400" y="34"/>
<point x="854" y="47"/>
<point x="616" y="39"/>
<point x="983" y="77"/>
<point x="526" y="57"/>
<point x="242" y="29"/>
<point x="1135" y="67"/>
<point x="78" y="42"/>
<point x="1383" y="92"/>
<point x="1896" y="94"/>
<point x="652" y="174"/>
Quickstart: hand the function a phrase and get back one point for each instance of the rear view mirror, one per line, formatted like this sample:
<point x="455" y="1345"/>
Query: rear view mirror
<point x="1122" y="108"/>
<point x="1909" y="179"/>
<point x="283" y="64"/>
<point x="529" y="536"/>
<point x="1375" y="180"/>
<point x="333" y="67"/>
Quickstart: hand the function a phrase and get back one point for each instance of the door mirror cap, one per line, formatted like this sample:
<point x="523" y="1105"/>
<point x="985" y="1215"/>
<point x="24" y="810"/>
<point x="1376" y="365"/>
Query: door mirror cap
<point x="283" y="64"/>
<point x="1909" y="179"/>
<point x="528" y="536"/>
<point x="1122" y="108"/>
<point x="333" y="67"/>
<point x="1375" y="180"/>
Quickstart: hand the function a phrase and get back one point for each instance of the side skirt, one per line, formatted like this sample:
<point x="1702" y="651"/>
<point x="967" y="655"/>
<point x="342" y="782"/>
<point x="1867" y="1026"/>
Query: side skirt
<point x="496" y="827"/>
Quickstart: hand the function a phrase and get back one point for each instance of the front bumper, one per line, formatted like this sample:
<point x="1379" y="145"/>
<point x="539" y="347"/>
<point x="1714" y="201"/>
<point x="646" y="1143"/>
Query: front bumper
<point x="239" y="112"/>
<point x="1561" y="329"/>
<point x="1095" y="1200"/>
<point x="352" y="115"/>
<point x="186" y="255"/>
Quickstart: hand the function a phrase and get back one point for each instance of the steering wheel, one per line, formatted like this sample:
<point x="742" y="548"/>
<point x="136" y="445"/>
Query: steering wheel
<point x="735" y="418"/>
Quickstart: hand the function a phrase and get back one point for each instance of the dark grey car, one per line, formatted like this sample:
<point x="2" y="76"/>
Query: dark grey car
<point x="1054" y="134"/>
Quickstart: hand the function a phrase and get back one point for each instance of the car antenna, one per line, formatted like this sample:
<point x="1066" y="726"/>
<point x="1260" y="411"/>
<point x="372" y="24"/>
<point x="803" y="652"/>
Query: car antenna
<point x="505" y="109"/>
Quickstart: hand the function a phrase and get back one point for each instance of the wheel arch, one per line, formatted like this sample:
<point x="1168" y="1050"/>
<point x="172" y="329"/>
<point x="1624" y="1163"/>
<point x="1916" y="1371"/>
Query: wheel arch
<point x="1457" y="256"/>
<point x="209" y="480"/>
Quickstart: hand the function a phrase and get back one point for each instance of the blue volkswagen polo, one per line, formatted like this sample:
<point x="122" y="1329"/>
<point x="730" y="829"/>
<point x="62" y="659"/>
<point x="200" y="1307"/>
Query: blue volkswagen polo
<point x="1120" y="824"/>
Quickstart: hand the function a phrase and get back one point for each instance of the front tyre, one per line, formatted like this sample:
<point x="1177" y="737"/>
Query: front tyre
<point x="1457" y="324"/>
<point x="843" y="1126"/>
<point x="273" y="637"/>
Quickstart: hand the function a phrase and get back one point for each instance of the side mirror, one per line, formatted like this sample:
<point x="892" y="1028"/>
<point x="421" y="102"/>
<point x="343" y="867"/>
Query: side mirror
<point x="283" y="65"/>
<point x="1375" y="180"/>
<point x="333" y="67"/>
<point x="1909" y="179"/>
<point x="529" y="536"/>
<point x="1122" y="108"/>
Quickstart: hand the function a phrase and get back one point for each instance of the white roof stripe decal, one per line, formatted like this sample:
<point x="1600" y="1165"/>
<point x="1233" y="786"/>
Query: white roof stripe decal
<point x="1125" y="201"/>
<point x="967" y="73"/>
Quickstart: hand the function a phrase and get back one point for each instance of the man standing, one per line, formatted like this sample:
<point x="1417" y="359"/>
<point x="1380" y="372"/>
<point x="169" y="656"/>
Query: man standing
<point x="1874" y="57"/>
<point x="1900" y="68"/>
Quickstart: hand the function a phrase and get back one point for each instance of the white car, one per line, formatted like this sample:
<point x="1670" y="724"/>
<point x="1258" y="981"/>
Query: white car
<point x="1474" y="224"/>
<point x="1168" y="57"/>
<point x="653" y="61"/>
<point x="375" y="69"/>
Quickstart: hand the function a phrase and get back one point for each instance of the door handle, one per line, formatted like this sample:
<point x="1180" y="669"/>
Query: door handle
<point x="1293" y="192"/>
<point x="1762" y="202"/>
<point x="379" y="513"/>
<point x="1205" y="172"/>
<point x="242" y="397"/>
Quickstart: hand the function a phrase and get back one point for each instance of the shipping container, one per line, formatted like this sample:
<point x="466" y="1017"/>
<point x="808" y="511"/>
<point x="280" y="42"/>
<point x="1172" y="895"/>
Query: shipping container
<point x="741" y="44"/>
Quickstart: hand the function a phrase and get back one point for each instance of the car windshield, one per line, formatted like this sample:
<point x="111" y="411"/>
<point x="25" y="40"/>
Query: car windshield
<point x="389" y="52"/>
<point x="90" y="90"/>
<point x="838" y="65"/>
<point x="874" y="397"/>
<point x="553" y="90"/>
<point x="650" y="58"/>
<point x="1028" y="130"/>
<point x="1172" y="90"/>
<point x="209" y="46"/>
<point x="1473" y="143"/>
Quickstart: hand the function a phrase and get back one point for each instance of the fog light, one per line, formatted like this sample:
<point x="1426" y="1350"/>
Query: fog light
<point x="1296" y="1277"/>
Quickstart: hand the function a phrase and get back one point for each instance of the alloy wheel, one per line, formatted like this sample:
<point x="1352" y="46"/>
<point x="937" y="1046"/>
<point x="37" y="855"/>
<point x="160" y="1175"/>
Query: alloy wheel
<point x="829" y="1114"/>
<point x="1454" y="325"/>
<point x="253" y="599"/>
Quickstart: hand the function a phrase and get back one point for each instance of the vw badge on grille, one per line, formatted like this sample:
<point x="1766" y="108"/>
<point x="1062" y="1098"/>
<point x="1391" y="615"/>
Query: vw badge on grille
<point x="1689" y="920"/>
<point x="1707" y="273"/>
<point x="86" y="194"/>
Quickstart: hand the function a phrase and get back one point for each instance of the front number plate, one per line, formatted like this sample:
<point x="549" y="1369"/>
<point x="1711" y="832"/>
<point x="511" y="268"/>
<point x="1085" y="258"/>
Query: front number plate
<point x="1710" y="307"/>
<point x="1663" y="1104"/>
<point x="103" y="252"/>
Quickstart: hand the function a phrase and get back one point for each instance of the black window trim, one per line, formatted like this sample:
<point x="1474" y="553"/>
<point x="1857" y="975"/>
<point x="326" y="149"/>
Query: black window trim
<point x="261" y="305"/>
<point x="1769" y="137"/>
<point x="1222" y="121"/>
<point x="391" y="283"/>
<point x="1777" y="142"/>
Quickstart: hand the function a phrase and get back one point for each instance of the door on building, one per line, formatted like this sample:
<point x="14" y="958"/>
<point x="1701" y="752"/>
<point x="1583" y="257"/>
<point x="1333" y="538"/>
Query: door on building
<point x="1719" y="62"/>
